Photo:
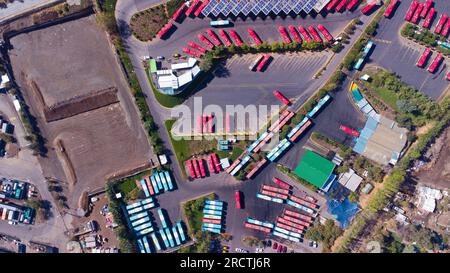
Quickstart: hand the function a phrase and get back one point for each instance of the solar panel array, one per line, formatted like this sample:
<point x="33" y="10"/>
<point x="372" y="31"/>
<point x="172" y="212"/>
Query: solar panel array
<point x="245" y="7"/>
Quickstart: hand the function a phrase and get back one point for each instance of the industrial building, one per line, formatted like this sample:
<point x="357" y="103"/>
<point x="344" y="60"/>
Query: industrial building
<point x="174" y="80"/>
<point x="316" y="170"/>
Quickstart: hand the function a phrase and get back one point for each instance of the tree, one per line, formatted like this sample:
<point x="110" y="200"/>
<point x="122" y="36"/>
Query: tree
<point x="353" y="197"/>
<point x="107" y="22"/>
<point x="206" y="64"/>
<point x="326" y="233"/>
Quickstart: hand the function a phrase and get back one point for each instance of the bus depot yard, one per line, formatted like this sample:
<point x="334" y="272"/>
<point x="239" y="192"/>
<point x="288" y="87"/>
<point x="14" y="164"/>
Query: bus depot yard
<point x="329" y="170"/>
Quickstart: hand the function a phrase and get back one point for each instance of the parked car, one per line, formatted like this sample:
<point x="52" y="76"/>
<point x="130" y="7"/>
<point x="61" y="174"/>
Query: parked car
<point x="279" y="248"/>
<point x="240" y="250"/>
<point x="268" y="243"/>
<point x="284" y="249"/>
<point x="275" y="245"/>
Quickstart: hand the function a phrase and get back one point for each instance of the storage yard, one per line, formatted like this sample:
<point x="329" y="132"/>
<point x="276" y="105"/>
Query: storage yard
<point x="91" y="130"/>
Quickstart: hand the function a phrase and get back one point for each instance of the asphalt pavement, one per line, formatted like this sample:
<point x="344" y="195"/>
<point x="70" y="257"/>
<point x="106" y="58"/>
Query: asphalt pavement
<point x="396" y="54"/>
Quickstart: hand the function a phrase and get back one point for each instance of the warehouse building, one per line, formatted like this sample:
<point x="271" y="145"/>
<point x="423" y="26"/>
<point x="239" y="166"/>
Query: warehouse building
<point x="316" y="170"/>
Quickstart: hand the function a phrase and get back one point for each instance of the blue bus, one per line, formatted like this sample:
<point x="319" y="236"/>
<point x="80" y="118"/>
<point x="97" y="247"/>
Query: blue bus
<point x="213" y="212"/>
<point x="213" y="207"/>
<point x="154" y="184"/>
<point x="219" y="23"/>
<point x="140" y="221"/>
<point x="155" y="241"/>
<point x="214" y="202"/>
<point x="145" y="231"/>
<point x="163" y="180"/>
<point x="169" y="236"/>
<point x="158" y="181"/>
<point x="141" y="246"/>
<point x="144" y="187"/>
<point x="143" y="226"/>
<point x="164" y="237"/>
<point x="139" y="215"/>
<point x="169" y="180"/>
<point x="161" y="217"/>
<point x="146" y="245"/>
<point x="175" y="234"/>
<point x="181" y="231"/>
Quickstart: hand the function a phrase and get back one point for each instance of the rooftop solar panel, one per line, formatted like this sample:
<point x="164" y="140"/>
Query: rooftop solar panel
<point x="258" y="6"/>
<point x="246" y="10"/>
<point x="298" y="7"/>
<point x="277" y="7"/>
<point x="288" y="6"/>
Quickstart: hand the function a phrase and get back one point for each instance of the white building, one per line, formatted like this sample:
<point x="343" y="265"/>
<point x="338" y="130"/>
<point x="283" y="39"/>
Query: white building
<point x="427" y="198"/>
<point x="350" y="180"/>
<point x="173" y="81"/>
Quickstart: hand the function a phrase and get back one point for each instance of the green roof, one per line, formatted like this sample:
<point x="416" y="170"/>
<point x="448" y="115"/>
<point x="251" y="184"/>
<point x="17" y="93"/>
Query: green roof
<point x="152" y="63"/>
<point x="314" y="169"/>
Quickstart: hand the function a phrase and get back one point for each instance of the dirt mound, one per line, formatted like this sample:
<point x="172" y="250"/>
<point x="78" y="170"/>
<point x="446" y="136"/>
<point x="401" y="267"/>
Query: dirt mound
<point x="76" y="105"/>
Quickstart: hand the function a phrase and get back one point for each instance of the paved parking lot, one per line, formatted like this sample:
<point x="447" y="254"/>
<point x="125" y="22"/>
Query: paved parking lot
<point x="394" y="54"/>
<point x="292" y="74"/>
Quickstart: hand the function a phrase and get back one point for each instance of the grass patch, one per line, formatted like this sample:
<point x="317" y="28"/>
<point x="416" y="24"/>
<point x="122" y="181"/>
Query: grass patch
<point x="193" y="210"/>
<point x="166" y="100"/>
<point x="172" y="6"/>
<point x="146" y="24"/>
<point x="237" y="151"/>
<point x="127" y="186"/>
<point x="387" y="96"/>
<point x="181" y="147"/>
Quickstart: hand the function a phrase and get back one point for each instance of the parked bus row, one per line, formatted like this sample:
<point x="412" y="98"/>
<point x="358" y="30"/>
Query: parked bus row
<point x="196" y="168"/>
<point x="342" y="5"/>
<point x="171" y="236"/>
<point x="157" y="183"/>
<point x="213" y="213"/>
<point x="255" y="224"/>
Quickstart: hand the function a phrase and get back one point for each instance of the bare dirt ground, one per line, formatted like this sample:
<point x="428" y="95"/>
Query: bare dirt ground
<point x="437" y="172"/>
<point x="69" y="61"/>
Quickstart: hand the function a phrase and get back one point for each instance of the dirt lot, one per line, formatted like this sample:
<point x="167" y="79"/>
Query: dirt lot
<point x="437" y="172"/>
<point x="66" y="62"/>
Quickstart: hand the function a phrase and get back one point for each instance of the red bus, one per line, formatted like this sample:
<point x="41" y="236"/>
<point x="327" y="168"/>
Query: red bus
<point x="205" y="41"/>
<point x="202" y="167"/>
<point x="177" y="13"/>
<point x="201" y="7"/>
<point x="225" y="38"/>
<point x="446" y="29"/>
<point x="211" y="164"/>
<point x="273" y="194"/>
<point x="390" y="8"/>
<point x="281" y="97"/>
<point x="289" y="228"/>
<point x="341" y="6"/>
<point x="196" y="46"/>
<point x="255" y="227"/>
<point x="191" y="169"/>
<point x="304" y="202"/>
<point x="196" y="169"/>
<point x="411" y="10"/>
<point x="427" y="6"/>
<point x="300" y="216"/>
<point x="237" y="196"/>
<point x="192" y="52"/>
<point x="368" y="8"/>
<point x="281" y="183"/>
<point x="417" y="13"/>
<point x="204" y="123"/>
<point x="295" y="34"/>
<point x="349" y="131"/>
<point x="213" y="37"/>
<point x="275" y="189"/>
<point x="254" y="36"/>
<point x="236" y="37"/>
<point x="315" y="35"/>
<point x="325" y="32"/>
<point x="332" y="4"/>
<point x="263" y="62"/>
<point x="216" y="162"/>
<point x="430" y="17"/>
<point x="210" y="123"/>
<point x="353" y="4"/>
<point x="164" y="30"/>
<point x="283" y="32"/>
<point x="192" y="7"/>
<point x="441" y="23"/>
<point x="292" y="224"/>
<point x="296" y="221"/>
<point x="305" y="34"/>
<point x="435" y="64"/>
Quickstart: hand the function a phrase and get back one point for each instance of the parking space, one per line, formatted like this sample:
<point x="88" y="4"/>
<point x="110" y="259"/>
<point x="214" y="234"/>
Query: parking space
<point x="400" y="56"/>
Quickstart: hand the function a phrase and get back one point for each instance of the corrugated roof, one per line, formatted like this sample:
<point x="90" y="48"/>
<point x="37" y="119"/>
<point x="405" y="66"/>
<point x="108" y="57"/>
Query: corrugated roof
<point x="315" y="169"/>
